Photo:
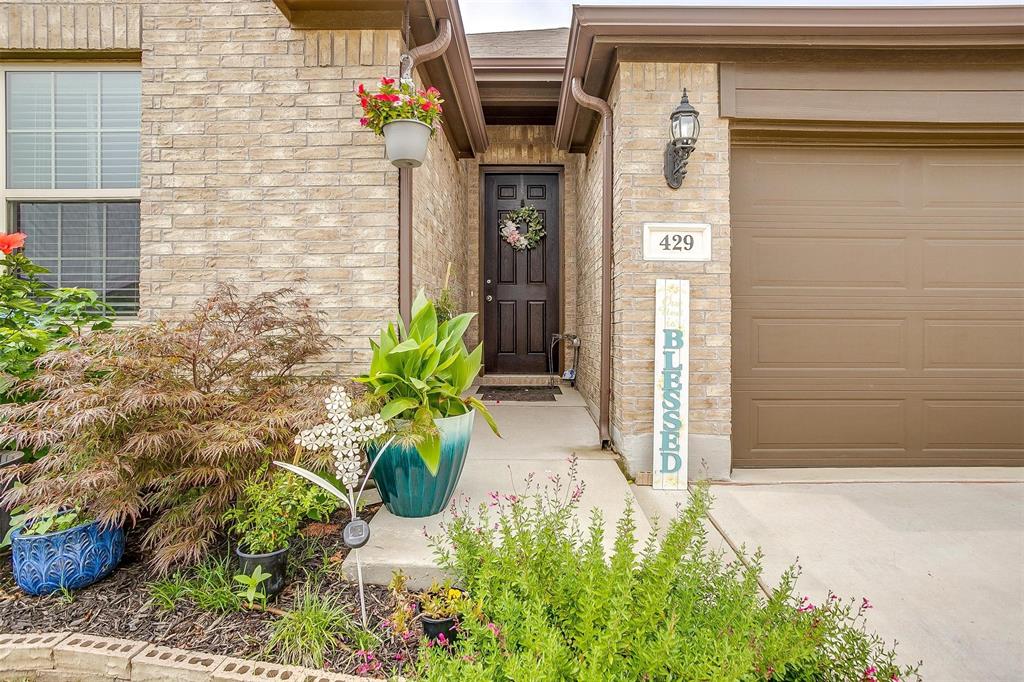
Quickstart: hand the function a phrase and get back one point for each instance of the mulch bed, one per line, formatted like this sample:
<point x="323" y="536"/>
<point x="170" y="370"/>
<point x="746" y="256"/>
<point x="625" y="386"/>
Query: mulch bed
<point x="121" y="606"/>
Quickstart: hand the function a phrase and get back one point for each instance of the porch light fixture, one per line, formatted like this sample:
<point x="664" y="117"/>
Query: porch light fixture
<point x="684" y="128"/>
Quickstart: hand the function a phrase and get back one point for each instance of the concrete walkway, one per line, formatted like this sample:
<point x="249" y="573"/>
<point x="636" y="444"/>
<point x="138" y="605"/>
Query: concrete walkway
<point x="538" y="437"/>
<point x="942" y="562"/>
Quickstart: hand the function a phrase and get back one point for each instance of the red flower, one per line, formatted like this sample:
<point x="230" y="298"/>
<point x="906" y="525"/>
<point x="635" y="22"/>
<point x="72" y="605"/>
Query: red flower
<point x="426" y="106"/>
<point x="433" y="91"/>
<point x="384" y="97"/>
<point x="10" y="242"/>
<point x="362" y="89"/>
<point x="364" y="102"/>
<point x="364" y="122"/>
<point x="387" y="81"/>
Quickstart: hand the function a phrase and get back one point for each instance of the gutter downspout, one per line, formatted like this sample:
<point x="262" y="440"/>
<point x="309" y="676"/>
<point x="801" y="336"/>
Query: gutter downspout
<point x="608" y="161"/>
<point x="407" y="62"/>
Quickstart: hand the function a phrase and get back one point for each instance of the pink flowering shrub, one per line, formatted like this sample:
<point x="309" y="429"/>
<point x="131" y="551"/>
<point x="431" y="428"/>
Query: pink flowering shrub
<point x="546" y="603"/>
<point x="394" y="100"/>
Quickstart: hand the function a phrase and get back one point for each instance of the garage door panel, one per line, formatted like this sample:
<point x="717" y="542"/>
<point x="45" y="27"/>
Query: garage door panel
<point x="973" y="344"/>
<point x="992" y="184"/>
<point x="967" y="425"/>
<point x="886" y="330"/>
<point x="970" y="262"/>
<point x="827" y="343"/>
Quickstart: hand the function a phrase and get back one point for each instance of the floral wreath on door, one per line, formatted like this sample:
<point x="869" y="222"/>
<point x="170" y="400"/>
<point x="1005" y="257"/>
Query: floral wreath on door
<point x="513" y="232"/>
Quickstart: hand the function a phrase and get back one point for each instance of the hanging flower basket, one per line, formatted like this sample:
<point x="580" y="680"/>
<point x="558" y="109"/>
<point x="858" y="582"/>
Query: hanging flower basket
<point x="404" y="116"/>
<point x="405" y="142"/>
<point x="523" y="228"/>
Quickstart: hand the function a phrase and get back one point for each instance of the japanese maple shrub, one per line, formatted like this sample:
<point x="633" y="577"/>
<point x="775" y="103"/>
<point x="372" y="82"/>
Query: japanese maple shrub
<point x="170" y="419"/>
<point x="546" y="604"/>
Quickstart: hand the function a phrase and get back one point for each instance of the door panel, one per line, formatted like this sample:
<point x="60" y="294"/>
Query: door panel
<point x="523" y="286"/>
<point x="878" y="306"/>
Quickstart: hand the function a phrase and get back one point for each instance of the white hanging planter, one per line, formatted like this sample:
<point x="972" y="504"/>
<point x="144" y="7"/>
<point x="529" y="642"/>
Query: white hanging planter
<point x="405" y="142"/>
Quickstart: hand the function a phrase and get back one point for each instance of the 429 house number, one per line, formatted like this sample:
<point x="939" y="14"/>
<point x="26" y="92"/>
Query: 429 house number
<point x="677" y="241"/>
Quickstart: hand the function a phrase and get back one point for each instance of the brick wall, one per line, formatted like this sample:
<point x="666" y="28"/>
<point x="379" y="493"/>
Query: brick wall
<point x="71" y="25"/>
<point x="255" y="170"/>
<point x="645" y="96"/>
<point x="523" y="145"/>
<point x="439" y="222"/>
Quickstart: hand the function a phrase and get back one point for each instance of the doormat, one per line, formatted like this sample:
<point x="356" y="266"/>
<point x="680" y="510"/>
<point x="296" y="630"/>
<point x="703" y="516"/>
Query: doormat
<point x="526" y="394"/>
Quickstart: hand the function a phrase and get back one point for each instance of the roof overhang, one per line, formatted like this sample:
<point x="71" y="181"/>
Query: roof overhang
<point x="451" y="73"/>
<point x="519" y="90"/>
<point x="601" y="36"/>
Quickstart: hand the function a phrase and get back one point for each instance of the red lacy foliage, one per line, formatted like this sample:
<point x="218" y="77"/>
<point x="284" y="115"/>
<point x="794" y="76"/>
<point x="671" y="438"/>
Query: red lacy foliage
<point x="169" y="419"/>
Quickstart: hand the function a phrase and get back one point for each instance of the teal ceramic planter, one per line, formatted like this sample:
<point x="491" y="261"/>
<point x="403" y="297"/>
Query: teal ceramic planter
<point x="404" y="482"/>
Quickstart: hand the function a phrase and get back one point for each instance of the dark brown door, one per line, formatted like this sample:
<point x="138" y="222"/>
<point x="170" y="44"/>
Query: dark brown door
<point x="521" y="307"/>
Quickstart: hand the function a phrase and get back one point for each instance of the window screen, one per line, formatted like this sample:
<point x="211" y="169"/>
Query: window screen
<point x="86" y="244"/>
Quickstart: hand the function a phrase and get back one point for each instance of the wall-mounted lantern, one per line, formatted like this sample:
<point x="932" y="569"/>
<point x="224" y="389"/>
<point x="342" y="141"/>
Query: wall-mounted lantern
<point x="685" y="127"/>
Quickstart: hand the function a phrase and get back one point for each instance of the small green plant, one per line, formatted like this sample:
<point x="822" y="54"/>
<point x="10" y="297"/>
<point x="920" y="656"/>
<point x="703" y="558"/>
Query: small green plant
<point x="210" y="586"/>
<point x="251" y="590"/>
<point x="420" y="373"/>
<point x="50" y="521"/>
<point x="551" y="605"/>
<point x="270" y="509"/>
<point x="313" y="628"/>
<point x="442" y="600"/>
<point x="445" y="303"/>
<point x="66" y="596"/>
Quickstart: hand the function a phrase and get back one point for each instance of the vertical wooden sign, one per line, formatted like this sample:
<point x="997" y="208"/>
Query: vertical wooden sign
<point x="671" y="383"/>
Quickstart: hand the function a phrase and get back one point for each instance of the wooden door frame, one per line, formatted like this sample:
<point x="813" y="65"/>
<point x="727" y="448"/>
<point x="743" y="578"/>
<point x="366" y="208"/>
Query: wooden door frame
<point x="497" y="169"/>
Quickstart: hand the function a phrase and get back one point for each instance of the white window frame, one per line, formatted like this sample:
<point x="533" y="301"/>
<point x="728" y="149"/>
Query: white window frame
<point x="9" y="196"/>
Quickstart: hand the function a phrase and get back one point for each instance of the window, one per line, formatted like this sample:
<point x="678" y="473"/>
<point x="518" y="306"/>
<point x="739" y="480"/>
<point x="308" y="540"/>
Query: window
<point x="71" y="175"/>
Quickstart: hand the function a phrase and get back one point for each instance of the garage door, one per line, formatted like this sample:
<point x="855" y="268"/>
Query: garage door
<point x="878" y="306"/>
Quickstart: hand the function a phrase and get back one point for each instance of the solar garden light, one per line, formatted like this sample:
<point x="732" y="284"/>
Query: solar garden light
<point x="684" y="128"/>
<point x="345" y="436"/>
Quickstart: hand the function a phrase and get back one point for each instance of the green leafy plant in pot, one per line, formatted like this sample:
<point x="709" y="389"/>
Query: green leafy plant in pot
<point x="420" y="374"/>
<point x="265" y="519"/>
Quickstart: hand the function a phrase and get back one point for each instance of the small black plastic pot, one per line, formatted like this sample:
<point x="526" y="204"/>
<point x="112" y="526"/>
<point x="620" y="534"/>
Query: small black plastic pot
<point x="274" y="563"/>
<point x="449" y="627"/>
<point x="7" y="458"/>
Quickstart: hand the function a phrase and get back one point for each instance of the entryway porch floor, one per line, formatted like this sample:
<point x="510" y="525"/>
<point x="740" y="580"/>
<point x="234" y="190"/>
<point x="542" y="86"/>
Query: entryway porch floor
<point x="538" y="438"/>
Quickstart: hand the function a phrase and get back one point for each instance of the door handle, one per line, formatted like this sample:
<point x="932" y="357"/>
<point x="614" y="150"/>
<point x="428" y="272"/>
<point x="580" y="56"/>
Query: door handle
<point x="488" y="298"/>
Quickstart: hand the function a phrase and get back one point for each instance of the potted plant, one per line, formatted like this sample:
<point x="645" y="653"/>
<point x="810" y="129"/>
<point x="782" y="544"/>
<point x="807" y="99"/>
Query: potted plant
<point x="420" y="374"/>
<point x="64" y="549"/>
<point x="266" y="517"/>
<point x="439" y="610"/>
<point x="404" y="116"/>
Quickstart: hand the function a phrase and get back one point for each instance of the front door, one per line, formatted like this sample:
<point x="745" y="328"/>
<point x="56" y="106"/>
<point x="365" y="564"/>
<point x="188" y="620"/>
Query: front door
<point x="521" y="306"/>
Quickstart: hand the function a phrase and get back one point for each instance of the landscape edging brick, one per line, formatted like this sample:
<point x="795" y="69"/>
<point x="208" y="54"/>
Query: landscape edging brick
<point x="66" y="655"/>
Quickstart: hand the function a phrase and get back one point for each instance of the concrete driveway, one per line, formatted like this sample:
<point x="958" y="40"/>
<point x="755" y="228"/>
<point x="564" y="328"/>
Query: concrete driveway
<point x="942" y="562"/>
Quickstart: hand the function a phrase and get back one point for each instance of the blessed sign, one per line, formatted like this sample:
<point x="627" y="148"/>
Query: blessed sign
<point x="671" y="383"/>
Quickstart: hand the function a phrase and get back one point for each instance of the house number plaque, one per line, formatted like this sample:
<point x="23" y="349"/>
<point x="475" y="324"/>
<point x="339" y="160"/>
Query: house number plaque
<point x="677" y="241"/>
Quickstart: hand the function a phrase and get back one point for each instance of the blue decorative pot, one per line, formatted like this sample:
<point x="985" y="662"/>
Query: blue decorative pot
<point x="403" y="480"/>
<point x="72" y="558"/>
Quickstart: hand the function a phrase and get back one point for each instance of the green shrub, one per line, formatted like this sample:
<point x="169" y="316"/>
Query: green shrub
<point x="269" y="510"/>
<point x="209" y="585"/>
<point x="548" y="605"/>
<point x="34" y="316"/>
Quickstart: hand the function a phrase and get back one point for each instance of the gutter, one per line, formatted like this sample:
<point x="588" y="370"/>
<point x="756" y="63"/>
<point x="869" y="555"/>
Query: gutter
<point x="607" y="178"/>
<point x="408" y="62"/>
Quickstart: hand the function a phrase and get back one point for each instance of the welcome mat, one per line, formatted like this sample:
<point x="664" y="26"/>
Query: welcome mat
<point x="526" y="394"/>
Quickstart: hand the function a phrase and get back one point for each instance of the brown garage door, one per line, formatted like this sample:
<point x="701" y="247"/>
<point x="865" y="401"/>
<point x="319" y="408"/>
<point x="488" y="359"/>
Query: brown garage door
<point x="878" y="306"/>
